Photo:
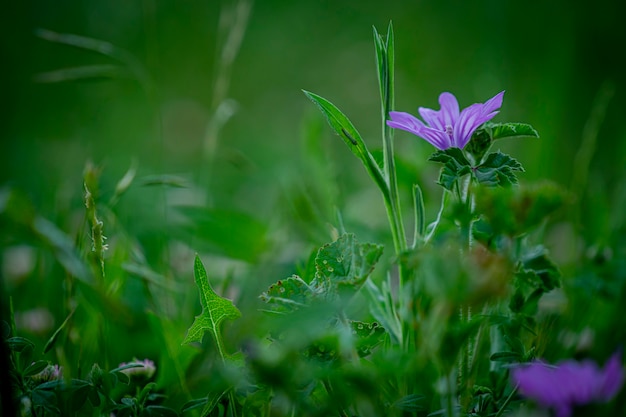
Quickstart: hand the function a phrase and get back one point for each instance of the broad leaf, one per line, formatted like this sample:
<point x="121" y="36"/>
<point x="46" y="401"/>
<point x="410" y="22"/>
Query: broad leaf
<point x="540" y="271"/>
<point x="368" y="336"/>
<point x="288" y="294"/>
<point x="345" y="261"/>
<point x="455" y="166"/>
<point x="215" y="309"/>
<point x="498" y="169"/>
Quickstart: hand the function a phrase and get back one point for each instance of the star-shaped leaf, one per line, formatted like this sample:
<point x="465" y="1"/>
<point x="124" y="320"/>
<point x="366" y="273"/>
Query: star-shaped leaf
<point x="215" y="309"/>
<point x="455" y="166"/>
<point x="498" y="169"/>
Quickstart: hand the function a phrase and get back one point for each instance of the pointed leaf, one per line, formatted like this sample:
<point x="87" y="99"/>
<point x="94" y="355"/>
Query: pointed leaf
<point x="346" y="130"/>
<point x="455" y="166"/>
<point x="215" y="309"/>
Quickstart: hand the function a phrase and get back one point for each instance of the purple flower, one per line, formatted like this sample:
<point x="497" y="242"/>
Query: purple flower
<point x="570" y="383"/>
<point x="144" y="368"/>
<point x="447" y="127"/>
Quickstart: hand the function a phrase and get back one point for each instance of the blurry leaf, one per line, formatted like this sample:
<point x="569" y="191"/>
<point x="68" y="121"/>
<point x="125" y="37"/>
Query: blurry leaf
<point x="152" y="277"/>
<point x="83" y="72"/>
<point x="538" y="265"/>
<point x="288" y="294"/>
<point x="212" y="401"/>
<point x="45" y="399"/>
<point x="145" y="392"/>
<point x="351" y="137"/>
<point x="215" y="309"/>
<point x="174" y="359"/>
<point x="409" y="403"/>
<point x="159" y="411"/>
<point x="420" y="215"/>
<point x="513" y="211"/>
<point x="35" y="368"/>
<point x="63" y="248"/>
<point x="498" y="169"/>
<point x="18" y="344"/>
<point x="234" y="234"/>
<point x="165" y="179"/>
<point x="505" y="357"/>
<point x="101" y="47"/>
<point x="368" y="336"/>
<point x="455" y="166"/>
<point x="123" y="184"/>
<point x="94" y="397"/>
<point x="382" y="308"/>
<point x="346" y="262"/>
<point x="193" y="404"/>
<point x="50" y="343"/>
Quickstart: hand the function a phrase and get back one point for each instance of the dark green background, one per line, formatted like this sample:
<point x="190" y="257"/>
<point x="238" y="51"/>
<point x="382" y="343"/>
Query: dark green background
<point x="550" y="57"/>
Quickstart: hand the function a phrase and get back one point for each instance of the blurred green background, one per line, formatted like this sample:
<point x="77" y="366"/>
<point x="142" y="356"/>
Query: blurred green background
<point x="551" y="57"/>
<point x="245" y="141"/>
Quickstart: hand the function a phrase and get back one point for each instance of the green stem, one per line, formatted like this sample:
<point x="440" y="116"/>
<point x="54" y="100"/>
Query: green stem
<point x="506" y="402"/>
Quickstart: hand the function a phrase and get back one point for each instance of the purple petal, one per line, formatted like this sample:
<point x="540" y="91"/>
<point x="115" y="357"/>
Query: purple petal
<point x="447" y="116"/>
<point x="412" y="124"/>
<point x="432" y="118"/>
<point x="405" y="121"/>
<point x="493" y="103"/>
<point x="473" y="116"/>
<point x="449" y="109"/>
<point x="612" y="378"/>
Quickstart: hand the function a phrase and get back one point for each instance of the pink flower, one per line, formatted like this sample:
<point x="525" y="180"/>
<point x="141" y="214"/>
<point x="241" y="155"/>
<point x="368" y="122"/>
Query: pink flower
<point x="569" y="383"/>
<point x="447" y="127"/>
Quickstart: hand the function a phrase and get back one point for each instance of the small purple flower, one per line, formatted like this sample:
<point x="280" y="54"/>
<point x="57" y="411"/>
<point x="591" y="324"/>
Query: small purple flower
<point x="145" y="368"/>
<point x="447" y="127"/>
<point x="569" y="383"/>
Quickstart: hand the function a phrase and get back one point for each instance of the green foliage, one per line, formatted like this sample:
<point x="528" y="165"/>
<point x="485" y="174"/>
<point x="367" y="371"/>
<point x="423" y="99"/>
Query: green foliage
<point x="498" y="169"/>
<point x="431" y="328"/>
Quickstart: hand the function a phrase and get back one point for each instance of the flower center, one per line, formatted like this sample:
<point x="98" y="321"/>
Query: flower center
<point x="449" y="130"/>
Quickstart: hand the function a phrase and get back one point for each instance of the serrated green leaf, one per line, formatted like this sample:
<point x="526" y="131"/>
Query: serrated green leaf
<point x="498" y="169"/>
<point x="368" y="336"/>
<point x="351" y="137"/>
<point x="455" y="166"/>
<point x="288" y="294"/>
<point x="215" y="309"/>
<point x="346" y="262"/>
<point x="512" y="130"/>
